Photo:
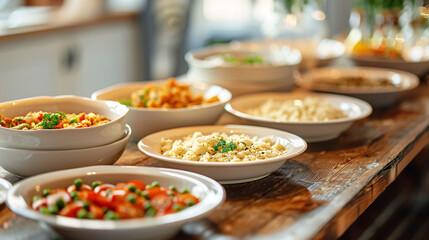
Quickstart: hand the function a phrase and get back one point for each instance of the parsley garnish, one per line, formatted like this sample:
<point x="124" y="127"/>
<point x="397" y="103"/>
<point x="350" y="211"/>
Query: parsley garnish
<point x="73" y="121"/>
<point x="126" y="102"/>
<point x="223" y="147"/>
<point x="51" y="120"/>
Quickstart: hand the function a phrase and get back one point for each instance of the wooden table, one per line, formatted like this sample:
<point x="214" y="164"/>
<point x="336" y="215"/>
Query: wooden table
<point x="316" y="195"/>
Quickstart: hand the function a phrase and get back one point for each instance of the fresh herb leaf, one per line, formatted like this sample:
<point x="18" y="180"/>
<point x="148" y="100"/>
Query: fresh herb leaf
<point x="126" y="102"/>
<point x="223" y="147"/>
<point x="74" y="120"/>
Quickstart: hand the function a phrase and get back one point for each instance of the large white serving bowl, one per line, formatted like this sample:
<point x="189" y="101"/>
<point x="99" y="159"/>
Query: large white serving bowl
<point x="145" y="121"/>
<point x="25" y="163"/>
<point x="70" y="138"/>
<point x="207" y="190"/>
<point x="419" y="68"/>
<point x="314" y="53"/>
<point x="228" y="172"/>
<point x="284" y="67"/>
<point x="311" y="131"/>
<point x="381" y="96"/>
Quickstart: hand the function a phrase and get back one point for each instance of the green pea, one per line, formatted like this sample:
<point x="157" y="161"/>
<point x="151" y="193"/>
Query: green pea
<point x="95" y="184"/>
<point x="189" y="202"/>
<point x="145" y="194"/>
<point x="60" y="203"/>
<point x="173" y="188"/>
<point x="74" y="194"/>
<point x="131" y="198"/>
<point x="147" y="205"/>
<point x="78" y="183"/>
<point x="155" y="184"/>
<point x="86" y="205"/>
<point x="185" y="191"/>
<point x="44" y="210"/>
<point x="82" y="213"/>
<point x="178" y="207"/>
<point x="150" y="212"/>
<point x="53" y="209"/>
<point x="112" y="215"/>
<point x="132" y="188"/>
<point x="35" y="198"/>
<point x="46" y="192"/>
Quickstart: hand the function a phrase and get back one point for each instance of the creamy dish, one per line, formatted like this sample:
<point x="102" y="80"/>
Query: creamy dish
<point x="170" y="94"/>
<point x="57" y="120"/>
<point x="221" y="147"/>
<point x="306" y="109"/>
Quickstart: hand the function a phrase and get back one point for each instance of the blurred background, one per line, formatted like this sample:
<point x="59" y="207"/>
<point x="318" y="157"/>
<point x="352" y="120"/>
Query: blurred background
<point x="52" y="47"/>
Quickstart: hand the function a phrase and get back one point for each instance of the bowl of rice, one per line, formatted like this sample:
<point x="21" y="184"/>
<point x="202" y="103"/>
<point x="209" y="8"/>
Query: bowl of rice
<point x="312" y="116"/>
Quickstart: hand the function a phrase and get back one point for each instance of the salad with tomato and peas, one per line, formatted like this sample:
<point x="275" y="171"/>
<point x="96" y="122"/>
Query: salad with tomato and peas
<point x="133" y="199"/>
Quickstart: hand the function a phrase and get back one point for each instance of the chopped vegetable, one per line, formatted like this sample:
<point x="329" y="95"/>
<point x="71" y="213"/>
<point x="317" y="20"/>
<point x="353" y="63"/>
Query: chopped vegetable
<point x="223" y="147"/>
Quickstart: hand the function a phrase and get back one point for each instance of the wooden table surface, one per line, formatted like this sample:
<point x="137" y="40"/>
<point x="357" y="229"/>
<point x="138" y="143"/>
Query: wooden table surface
<point x="316" y="195"/>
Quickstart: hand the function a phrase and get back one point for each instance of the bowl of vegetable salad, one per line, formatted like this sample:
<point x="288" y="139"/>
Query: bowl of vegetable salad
<point x="59" y="123"/>
<point x="113" y="202"/>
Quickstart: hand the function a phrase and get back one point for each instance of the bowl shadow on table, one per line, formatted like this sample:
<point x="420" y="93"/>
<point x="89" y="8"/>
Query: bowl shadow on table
<point x="260" y="206"/>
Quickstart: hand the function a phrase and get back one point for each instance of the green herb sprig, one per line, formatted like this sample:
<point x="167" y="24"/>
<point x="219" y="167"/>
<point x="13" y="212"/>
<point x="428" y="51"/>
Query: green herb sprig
<point x="52" y="120"/>
<point x="224" y="147"/>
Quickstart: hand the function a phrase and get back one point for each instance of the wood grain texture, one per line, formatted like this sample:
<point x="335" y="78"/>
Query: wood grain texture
<point x="320" y="193"/>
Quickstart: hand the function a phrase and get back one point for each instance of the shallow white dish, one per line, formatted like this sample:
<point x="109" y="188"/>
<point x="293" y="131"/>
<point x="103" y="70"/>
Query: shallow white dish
<point x="311" y="131"/>
<point x="48" y="139"/>
<point x="418" y="68"/>
<point x="24" y="162"/>
<point x="377" y="96"/>
<point x="230" y="172"/>
<point x="145" y="121"/>
<point x="209" y="191"/>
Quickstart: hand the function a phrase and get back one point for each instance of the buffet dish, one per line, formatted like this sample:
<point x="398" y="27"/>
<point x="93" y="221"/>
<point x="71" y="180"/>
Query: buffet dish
<point x="379" y="87"/>
<point x="29" y="162"/>
<point x="50" y="121"/>
<point x="244" y="69"/>
<point x="269" y="149"/>
<point x="297" y="116"/>
<point x="145" y="120"/>
<point x="209" y="195"/>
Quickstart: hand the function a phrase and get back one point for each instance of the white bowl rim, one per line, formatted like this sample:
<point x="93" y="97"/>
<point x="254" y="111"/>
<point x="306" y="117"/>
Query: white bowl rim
<point x="187" y="130"/>
<point x="363" y="105"/>
<point x="191" y="59"/>
<point x="385" y="60"/>
<point x="124" y="111"/>
<point x="201" y="209"/>
<point x="95" y="95"/>
<point x="126" y="136"/>
<point x="305" y="80"/>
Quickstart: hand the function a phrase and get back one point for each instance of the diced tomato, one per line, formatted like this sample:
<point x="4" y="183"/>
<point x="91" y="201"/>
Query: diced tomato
<point x="161" y="203"/>
<point x="39" y="203"/>
<point x="186" y="197"/>
<point x="96" y="211"/>
<point x="128" y="210"/>
<point x="82" y="117"/>
<point x="94" y="198"/>
<point x="138" y="184"/>
<point x="70" y="210"/>
<point x="51" y="199"/>
<point x="155" y="191"/>
<point x="117" y="195"/>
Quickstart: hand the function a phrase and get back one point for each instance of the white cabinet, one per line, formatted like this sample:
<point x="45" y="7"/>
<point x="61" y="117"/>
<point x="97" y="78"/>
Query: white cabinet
<point x="77" y="61"/>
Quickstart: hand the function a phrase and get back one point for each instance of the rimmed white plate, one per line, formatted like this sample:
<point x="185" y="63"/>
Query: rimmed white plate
<point x="228" y="172"/>
<point x="210" y="193"/>
<point x="377" y="96"/>
<point x="311" y="131"/>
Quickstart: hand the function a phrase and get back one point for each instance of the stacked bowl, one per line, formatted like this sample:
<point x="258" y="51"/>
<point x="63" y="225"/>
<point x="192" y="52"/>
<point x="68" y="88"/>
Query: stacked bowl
<point x="31" y="152"/>
<point x="245" y="68"/>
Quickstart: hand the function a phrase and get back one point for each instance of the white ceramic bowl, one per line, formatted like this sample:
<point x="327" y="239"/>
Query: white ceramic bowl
<point x="49" y="139"/>
<point x="314" y="53"/>
<point x="4" y="188"/>
<point x="418" y="68"/>
<point x="230" y="172"/>
<point x="145" y="121"/>
<point x="244" y="78"/>
<point x="32" y="162"/>
<point x="209" y="191"/>
<point x="377" y="96"/>
<point x="311" y="131"/>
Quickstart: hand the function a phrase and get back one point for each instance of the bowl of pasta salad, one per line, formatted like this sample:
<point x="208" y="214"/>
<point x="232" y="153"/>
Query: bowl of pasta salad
<point x="116" y="202"/>
<point x="229" y="154"/>
<point x="165" y="104"/>
<point x="61" y="122"/>
<point x="313" y="116"/>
